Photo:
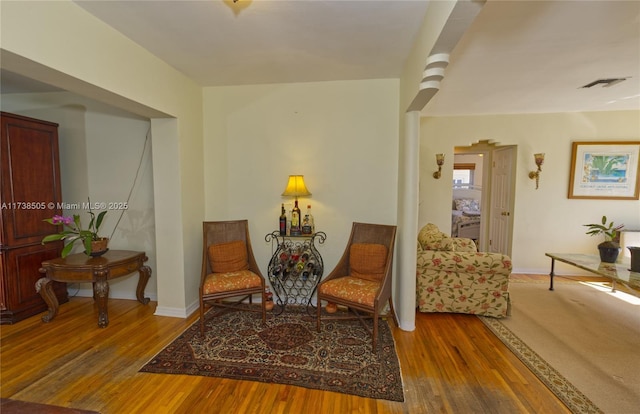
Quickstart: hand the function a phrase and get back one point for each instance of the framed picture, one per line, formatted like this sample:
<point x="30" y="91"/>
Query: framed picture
<point x="605" y="170"/>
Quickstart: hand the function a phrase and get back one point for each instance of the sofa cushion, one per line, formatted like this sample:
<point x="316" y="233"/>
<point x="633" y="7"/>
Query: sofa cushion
<point x="431" y="238"/>
<point x="470" y="204"/>
<point x="367" y="261"/>
<point x="228" y="257"/>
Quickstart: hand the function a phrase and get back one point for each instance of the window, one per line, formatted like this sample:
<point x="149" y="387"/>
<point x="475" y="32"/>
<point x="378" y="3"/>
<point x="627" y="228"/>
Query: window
<point x="463" y="175"/>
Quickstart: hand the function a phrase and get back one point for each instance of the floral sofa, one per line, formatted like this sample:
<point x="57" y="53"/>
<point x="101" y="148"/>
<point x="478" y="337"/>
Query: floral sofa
<point x="452" y="276"/>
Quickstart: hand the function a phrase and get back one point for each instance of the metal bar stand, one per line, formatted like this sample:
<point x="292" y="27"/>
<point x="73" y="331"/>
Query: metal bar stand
<point x="295" y="269"/>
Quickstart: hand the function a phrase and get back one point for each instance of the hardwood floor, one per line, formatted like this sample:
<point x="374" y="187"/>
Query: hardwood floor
<point x="450" y="364"/>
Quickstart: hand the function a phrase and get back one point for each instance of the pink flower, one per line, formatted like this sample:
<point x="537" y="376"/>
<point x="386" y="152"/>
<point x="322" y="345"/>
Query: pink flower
<point x="457" y="259"/>
<point x="482" y="279"/>
<point x="462" y="298"/>
<point x="62" y="220"/>
<point x="471" y="268"/>
<point x="506" y="264"/>
<point x="497" y="294"/>
<point x="436" y="262"/>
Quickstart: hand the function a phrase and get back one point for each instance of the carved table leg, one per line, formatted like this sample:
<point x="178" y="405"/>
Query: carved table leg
<point x="45" y="288"/>
<point x="101" y="292"/>
<point x="145" y="274"/>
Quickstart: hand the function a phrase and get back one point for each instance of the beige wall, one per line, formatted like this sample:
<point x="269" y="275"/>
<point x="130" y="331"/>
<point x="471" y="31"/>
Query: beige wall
<point x="545" y="220"/>
<point x="61" y="44"/>
<point x="404" y="286"/>
<point x="101" y="149"/>
<point x="342" y="136"/>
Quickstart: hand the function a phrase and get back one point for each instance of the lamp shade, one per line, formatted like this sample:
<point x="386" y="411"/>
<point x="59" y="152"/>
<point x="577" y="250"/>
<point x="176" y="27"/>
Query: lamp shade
<point x="296" y="187"/>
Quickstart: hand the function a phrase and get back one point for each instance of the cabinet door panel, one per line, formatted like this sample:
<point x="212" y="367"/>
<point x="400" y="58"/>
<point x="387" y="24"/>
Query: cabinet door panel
<point x="29" y="192"/>
<point x="30" y="179"/>
<point x="23" y="265"/>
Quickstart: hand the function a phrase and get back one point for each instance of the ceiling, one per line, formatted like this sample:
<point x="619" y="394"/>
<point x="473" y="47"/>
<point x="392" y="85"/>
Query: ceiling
<point x="515" y="56"/>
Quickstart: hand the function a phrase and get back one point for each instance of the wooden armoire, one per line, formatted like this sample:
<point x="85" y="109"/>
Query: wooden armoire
<point x="29" y="193"/>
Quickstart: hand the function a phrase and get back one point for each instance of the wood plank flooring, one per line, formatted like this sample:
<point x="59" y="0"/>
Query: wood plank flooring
<point x="450" y="364"/>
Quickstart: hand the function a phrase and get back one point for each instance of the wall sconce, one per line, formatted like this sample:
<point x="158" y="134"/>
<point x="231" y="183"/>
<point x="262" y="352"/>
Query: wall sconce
<point x="535" y="175"/>
<point x="439" y="161"/>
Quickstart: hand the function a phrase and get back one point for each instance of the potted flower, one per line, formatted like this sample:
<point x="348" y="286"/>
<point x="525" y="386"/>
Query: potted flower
<point x="72" y="231"/>
<point x="609" y="248"/>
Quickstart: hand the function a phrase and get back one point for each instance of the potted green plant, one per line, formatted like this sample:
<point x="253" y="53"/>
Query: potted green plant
<point x="609" y="248"/>
<point x="72" y="231"/>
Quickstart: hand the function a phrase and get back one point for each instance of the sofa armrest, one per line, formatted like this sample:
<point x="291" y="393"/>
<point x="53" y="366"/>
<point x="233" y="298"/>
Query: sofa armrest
<point x="466" y="262"/>
<point x="463" y="244"/>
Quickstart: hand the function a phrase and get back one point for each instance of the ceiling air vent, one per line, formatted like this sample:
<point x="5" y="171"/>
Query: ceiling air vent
<point x="604" y="82"/>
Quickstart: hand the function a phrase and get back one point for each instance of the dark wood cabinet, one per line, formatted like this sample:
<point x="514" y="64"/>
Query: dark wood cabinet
<point x="29" y="193"/>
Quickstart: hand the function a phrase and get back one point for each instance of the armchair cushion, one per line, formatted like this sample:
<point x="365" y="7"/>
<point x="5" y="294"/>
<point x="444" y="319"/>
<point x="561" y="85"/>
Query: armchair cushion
<point x="353" y="289"/>
<point x="367" y="261"/>
<point x="228" y="257"/>
<point x="228" y="281"/>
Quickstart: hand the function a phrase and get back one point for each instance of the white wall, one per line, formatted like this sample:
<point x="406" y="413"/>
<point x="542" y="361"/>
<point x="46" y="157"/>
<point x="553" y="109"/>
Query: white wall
<point x="404" y="287"/>
<point x="545" y="220"/>
<point x="342" y="136"/>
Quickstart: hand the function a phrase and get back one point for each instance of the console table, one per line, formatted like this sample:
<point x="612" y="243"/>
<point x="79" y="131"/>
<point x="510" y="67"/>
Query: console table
<point x="77" y="268"/>
<point x="618" y="272"/>
<point x="295" y="268"/>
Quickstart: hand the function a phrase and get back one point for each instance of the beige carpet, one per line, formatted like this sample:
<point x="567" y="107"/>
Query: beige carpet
<point x="587" y="335"/>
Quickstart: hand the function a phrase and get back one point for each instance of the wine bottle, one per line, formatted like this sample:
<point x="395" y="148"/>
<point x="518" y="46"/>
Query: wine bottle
<point x="283" y="222"/>
<point x="295" y="220"/>
<point x="308" y="225"/>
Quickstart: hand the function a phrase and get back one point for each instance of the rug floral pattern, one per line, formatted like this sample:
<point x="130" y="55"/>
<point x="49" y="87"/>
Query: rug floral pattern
<point x="287" y="350"/>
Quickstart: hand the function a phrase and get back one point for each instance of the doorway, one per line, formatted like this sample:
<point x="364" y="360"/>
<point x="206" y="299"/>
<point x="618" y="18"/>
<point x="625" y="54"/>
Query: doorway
<point x="483" y="195"/>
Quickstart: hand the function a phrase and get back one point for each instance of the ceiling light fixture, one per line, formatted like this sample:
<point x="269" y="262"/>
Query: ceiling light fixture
<point x="604" y="82"/>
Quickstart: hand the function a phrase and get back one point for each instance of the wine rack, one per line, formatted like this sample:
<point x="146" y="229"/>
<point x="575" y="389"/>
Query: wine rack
<point x="295" y="268"/>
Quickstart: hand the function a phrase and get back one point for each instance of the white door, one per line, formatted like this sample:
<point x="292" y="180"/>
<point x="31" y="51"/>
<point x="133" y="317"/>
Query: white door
<point x="501" y="214"/>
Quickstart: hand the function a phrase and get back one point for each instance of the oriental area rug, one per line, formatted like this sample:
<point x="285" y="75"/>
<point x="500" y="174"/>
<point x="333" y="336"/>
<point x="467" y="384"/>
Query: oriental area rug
<point x="287" y="350"/>
<point x="581" y="340"/>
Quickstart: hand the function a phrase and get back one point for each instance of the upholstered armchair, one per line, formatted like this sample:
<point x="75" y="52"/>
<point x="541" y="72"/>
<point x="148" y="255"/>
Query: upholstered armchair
<point x="452" y="276"/>
<point x="229" y="270"/>
<point x="361" y="281"/>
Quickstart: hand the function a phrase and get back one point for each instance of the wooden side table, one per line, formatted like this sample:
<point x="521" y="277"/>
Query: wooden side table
<point x="77" y="268"/>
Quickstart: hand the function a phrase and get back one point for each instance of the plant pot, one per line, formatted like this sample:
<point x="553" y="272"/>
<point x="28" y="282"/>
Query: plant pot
<point x="635" y="258"/>
<point x="99" y="247"/>
<point x="268" y="305"/>
<point x="608" y="252"/>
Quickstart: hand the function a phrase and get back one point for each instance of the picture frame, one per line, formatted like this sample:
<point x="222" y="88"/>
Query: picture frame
<point x="606" y="170"/>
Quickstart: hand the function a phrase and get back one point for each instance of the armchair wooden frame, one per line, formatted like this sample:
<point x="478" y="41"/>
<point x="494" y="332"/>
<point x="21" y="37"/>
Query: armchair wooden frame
<point x="214" y="232"/>
<point x="362" y="233"/>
